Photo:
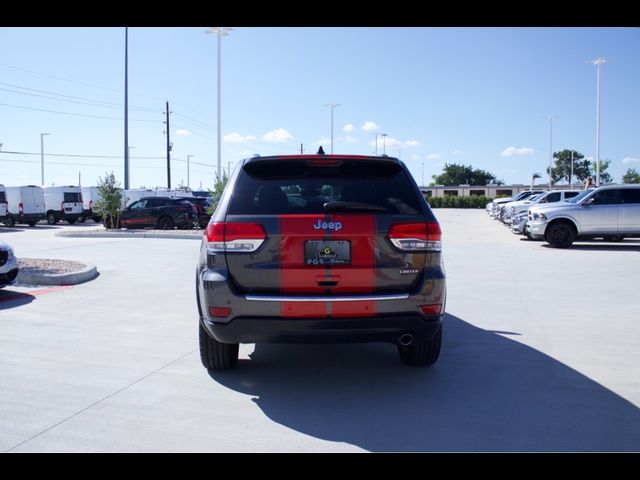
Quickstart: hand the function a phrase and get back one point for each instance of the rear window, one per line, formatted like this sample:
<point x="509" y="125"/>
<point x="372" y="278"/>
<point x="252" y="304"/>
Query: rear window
<point x="3" y="198"/>
<point x="70" y="197"/>
<point x="293" y="187"/>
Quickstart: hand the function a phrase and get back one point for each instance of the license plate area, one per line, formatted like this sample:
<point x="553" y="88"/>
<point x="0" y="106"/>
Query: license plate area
<point x="327" y="252"/>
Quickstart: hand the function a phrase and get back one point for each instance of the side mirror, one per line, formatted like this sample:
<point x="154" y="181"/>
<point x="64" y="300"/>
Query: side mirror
<point x="588" y="202"/>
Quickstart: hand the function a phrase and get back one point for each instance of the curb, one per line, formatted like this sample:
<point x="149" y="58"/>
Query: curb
<point x="128" y="235"/>
<point x="73" y="278"/>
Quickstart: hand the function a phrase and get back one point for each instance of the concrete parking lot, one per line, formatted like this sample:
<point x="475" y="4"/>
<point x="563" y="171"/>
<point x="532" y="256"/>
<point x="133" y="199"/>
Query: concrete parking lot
<point x="540" y="352"/>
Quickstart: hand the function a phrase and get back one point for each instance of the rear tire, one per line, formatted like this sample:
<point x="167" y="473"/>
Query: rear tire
<point x="560" y="234"/>
<point x="216" y="355"/>
<point x="52" y="219"/>
<point x="9" y="222"/>
<point x="423" y="352"/>
<point x="166" y="223"/>
<point x="81" y="219"/>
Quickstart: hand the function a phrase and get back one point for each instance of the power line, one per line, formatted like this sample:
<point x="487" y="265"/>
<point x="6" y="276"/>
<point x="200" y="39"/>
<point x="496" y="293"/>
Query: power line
<point x="83" y="99"/>
<point x="74" y="81"/>
<point x="79" y="155"/>
<point x="72" y="113"/>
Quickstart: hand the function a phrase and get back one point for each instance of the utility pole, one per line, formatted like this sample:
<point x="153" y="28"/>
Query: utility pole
<point x="168" y="148"/>
<point x="332" y="105"/>
<point x="422" y="174"/>
<point x="42" y="135"/>
<point x="301" y="149"/>
<point x="126" y="108"/>
<point x="79" y="179"/>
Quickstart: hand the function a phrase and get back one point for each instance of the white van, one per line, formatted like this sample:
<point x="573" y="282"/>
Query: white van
<point x="25" y="205"/>
<point x="63" y="203"/>
<point x="3" y="204"/>
<point x="90" y="195"/>
<point x="130" y="196"/>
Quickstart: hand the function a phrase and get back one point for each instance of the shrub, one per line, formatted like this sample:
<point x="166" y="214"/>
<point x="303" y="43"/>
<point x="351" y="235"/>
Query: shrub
<point x="473" y="201"/>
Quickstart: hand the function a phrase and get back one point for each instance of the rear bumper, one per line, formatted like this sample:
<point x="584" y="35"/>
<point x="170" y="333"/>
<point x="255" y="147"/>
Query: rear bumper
<point x="325" y="330"/>
<point x="320" y="319"/>
<point x="27" y="217"/>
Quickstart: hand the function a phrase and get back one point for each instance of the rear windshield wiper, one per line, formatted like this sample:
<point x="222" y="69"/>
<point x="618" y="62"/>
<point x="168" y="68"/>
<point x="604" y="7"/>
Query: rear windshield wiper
<point x="328" y="206"/>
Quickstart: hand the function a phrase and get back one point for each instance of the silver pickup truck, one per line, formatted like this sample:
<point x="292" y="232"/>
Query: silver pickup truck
<point x="611" y="212"/>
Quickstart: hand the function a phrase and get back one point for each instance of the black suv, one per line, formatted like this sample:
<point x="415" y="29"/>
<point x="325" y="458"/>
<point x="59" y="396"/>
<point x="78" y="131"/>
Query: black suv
<point x="321" y="249"/>
<point x="202" y="204"/>
<point x="159" y="212"/>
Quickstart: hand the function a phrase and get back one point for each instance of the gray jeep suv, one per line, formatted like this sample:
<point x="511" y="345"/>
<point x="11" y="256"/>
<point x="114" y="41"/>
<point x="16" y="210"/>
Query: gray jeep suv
<point x="321" y="249"/>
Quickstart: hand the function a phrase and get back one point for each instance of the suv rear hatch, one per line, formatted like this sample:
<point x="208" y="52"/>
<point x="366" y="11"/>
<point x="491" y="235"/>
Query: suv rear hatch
<point x="327" y="226"/>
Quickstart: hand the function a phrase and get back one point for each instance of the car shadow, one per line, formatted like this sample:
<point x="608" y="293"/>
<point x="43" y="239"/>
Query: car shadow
<point x="602" y="247"/>
<point x="11" y="299"/>
<point x="485" y="393"/>
<point x="4" y="229"/>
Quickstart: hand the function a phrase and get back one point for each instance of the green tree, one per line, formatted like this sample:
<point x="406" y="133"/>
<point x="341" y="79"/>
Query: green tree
<point x="109" y="203"/>
<point x="216" y="193"/>
<point x="631" y="176"/>
<point x="454" y="174"/>
<point x="562" y="169"/>
<point x="605" y="177"/>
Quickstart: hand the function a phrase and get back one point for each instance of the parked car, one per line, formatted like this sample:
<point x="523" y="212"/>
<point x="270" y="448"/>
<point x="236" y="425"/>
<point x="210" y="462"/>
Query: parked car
<point x="493" y="209"/>
<point x="201" y="204"/>
<point x="551" y="196"/>
<point x="8" y="265"/>
<point x="321" y="249"/>
<point x="159" y="212"/>
<point x="611" y="212"/>
<point x="3" y="204"/>
<point x="63" y="203"/>
<point x="24" y="205"/>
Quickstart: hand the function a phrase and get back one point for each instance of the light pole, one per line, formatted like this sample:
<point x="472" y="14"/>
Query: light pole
<point x="332" y="105"/>
<point x="597" y="62"/>
<point x="42" y="156"/>
<point x="128" y="164"/>
<point x="384" y="143"/>
<point x="126" y="108"/>
<point x="188" y="178"/>
<point x="222" y="32"/>
<point x="422" y="174"/>
<point x="376" y="134"/>
<point x="571" y="177"/>
<point x="550" y="118"/>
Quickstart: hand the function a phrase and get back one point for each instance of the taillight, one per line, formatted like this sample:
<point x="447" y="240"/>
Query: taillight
<point x="416" y="237"/>
<point x="21" y="208"/>
<point x="62" y="207"/>
<point x="234" y="237"/>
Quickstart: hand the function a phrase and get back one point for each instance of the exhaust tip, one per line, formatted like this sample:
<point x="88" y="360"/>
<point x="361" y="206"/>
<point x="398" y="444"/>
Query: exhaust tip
<point x="405" y="339"/>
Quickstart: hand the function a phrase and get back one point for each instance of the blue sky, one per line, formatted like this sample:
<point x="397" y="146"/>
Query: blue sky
<point x="476" y="96"/>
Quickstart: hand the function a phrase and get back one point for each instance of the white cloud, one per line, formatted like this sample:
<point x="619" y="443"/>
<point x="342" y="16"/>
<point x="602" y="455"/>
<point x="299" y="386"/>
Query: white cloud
<point x="434" y="156"/>
<point x="387" y="143"/>
<point x="322" y="141"/>
<point x="517" y="152"/>
<point x="246" y="152"/>
<point x="183" y="132"/>
<point x="415" y="157"/>
<point x="279" y="135"/>
<point x="349" y="127"/>
<point x="412" y="143"/>
<point x="457" y="152"/>
<point x="630" y="160"/>
<point x="370" y="126"/>
<point x="235" y="137"/>
<point x="350" y="139"/>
